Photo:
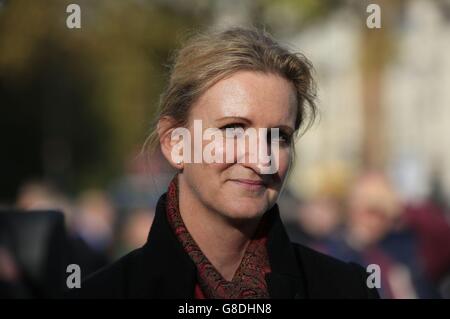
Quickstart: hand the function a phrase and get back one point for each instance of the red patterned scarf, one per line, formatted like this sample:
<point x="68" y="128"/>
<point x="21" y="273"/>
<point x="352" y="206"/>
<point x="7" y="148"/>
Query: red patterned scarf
<point x="249" y="279"/>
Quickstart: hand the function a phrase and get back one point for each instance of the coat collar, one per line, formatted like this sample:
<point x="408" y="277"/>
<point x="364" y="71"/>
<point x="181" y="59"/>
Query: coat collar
<point x="286" y="279"/>
<point x="175" y="273"/>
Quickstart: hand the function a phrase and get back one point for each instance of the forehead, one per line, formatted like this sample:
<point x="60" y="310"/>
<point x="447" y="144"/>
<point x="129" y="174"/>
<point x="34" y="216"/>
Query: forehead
<point x="265" y="99"/>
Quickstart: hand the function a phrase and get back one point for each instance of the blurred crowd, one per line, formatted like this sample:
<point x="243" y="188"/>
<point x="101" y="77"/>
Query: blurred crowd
<point x="101" y="225"/>
<point x="410" y="241"/>
<point x="371" y="224"/>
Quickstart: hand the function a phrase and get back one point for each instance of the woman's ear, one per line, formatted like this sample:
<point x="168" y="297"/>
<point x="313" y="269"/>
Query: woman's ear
<point x="166" y="125"/>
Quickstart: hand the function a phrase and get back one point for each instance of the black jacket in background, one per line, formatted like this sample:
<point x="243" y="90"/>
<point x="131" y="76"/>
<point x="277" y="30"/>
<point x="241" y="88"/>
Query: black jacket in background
<point x="162" y="269"/>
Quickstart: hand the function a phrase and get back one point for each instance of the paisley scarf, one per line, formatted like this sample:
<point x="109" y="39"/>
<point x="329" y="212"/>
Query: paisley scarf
<point x="248" y="281"/>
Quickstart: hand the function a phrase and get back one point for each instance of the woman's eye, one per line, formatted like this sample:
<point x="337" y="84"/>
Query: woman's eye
<point x="282" y="138"/>
<point x="285" y="138"/>
<point x="234" y="130"/>
<point x="233" y="126"/>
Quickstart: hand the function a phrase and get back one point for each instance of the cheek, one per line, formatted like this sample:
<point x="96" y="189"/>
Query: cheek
<point x="284" y="161"/>
<point x="203" y="179"/>
<point x="214" y="156"/>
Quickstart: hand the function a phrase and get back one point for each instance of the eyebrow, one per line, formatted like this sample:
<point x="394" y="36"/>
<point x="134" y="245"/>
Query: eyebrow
<point x="239" y="118"/>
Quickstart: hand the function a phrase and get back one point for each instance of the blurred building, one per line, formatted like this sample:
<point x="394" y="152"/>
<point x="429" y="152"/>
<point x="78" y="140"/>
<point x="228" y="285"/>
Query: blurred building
<point x="414" y="100"/>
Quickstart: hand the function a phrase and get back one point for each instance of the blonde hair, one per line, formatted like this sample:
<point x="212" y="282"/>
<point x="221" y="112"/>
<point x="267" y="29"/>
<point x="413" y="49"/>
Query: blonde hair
<point x="207" y="58"/>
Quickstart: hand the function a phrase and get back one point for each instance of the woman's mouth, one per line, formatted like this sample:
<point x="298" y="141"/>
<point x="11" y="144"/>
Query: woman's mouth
<point x="250" y="184"/>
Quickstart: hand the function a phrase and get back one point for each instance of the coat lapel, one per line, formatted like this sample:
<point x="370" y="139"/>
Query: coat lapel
<point x="286" y="279"/>
<point x="170" y="273"/>
<point x="173" y="274"/>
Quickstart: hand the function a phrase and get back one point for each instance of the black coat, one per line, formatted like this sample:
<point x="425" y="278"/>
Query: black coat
<point x="162" y="269"/>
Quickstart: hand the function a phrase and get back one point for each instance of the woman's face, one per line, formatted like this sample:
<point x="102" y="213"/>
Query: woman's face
<point x="240" y="190"/>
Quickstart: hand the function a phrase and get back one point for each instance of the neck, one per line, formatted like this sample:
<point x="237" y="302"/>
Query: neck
<point x="221" y="241"/>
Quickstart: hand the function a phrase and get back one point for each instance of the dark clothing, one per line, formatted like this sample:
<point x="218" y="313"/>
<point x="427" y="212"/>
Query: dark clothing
<point x="249" y="279"/>
<point x="162" y="269"/>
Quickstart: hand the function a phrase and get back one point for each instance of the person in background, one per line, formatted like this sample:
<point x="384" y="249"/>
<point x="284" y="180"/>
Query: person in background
<point x="375" y="233"/>
<point x="317" y="222"/>
<point x="86" y="248"/>
<point x="134" y="230"/>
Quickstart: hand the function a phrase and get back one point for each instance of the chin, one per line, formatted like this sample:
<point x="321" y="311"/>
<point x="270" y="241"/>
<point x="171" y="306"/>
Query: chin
<point x="246" y="209"/>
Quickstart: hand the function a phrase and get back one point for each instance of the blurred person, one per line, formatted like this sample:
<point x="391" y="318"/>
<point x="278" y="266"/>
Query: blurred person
<point x="432" y="228"/>
<point x="11" y="278"/>
<point x="92" y="234"/>
<point x="134" y="231"/>
<point x="141" y="184"/>
<point x="95" y="219"/>
<point x="217" y="231"/>
<point x="33" y="252"/>
<point x="375" y="233"/>
<point x="426" y="215"/>
<point x="86" y="248"/>
<point x="317" y="222"/>
<point x="40" y="195"/>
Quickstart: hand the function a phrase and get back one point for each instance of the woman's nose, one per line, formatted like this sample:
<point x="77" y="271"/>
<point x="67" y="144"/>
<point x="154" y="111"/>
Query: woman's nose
<point x="259" y="154"/>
